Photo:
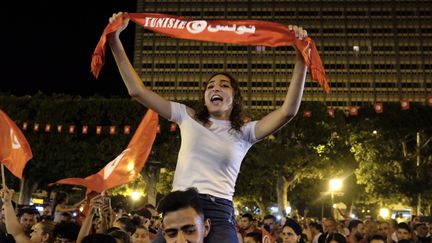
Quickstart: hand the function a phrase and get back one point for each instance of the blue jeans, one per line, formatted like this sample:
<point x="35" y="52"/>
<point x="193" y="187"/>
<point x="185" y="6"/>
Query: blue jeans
<point x="222" y="220"/>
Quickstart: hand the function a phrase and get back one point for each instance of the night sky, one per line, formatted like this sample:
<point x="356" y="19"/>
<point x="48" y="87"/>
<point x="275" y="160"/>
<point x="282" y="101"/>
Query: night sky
<point x="47" y="46"/>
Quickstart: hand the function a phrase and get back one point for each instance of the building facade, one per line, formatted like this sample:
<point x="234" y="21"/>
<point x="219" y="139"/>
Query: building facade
<point x="373" y="51"/>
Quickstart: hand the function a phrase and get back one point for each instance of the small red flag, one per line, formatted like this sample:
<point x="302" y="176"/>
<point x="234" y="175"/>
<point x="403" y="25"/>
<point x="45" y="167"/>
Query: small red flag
<point x="127" y="166"/>
<point x="429" y="101"/>
<point x="379" y="108"/>
<point x="173" y="127"/>
<point x="266" y="237"/>
<point x="331" y="112"/>
<point x="14" y="148"/>
<point x="307" y="113"/>
<point x="405" y="104"/>
<point x="353" y="110"/>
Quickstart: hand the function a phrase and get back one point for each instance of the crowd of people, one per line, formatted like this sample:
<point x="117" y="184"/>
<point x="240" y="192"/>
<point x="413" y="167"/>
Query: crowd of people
<point x="214" y="140"/>
<point x="180" y="217"/>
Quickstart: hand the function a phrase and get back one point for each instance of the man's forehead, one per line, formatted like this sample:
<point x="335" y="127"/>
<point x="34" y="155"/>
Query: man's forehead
<point x="28" y="215"/>
<point x="180" y="218"/>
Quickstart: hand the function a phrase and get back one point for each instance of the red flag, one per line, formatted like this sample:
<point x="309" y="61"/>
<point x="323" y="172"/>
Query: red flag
<point x="307" y="114"/>
<point x="249" y="32"/>
<point x="331" y="112"/>
<point x="379" y="108"/>
<point x="429" y="101"/>
<point x="173" y="127"/>
<point x="266" y="237"/>
<point x="405" y="105"/>
<point x="127" y="166"/>
<point x="353" y="110"/>
<point x="14" y="148"/>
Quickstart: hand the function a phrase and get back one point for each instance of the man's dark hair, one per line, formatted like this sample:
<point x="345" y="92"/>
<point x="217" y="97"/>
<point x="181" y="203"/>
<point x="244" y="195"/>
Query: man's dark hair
<point x="317" y="226"/>
<point x="248" y="216"/>
<point x="144" y="212"/>
<point x="98" y="238"/>
<point x="339" y="238"/>
<point x="270" y="216"/>
<point x="67" y="230"/>
<point x="149" y="205"/>
<point x="377" y="237"/>
<point x="255" y="235"/>
<point x="121" y="235"/>
<point x="128" y="223"/>
<point x="353" y="224"/>
<point x="179" y="200"/>
<point x="403" y="225"/>
<point x="22" y="211"/>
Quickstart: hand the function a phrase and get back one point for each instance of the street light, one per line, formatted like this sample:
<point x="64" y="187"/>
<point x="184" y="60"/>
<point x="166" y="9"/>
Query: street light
<point x="384" y="213"/>
<point x="335" y="185"/>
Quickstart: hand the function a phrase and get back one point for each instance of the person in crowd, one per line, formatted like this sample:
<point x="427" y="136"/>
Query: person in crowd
<point x="4" y="236"/>
<point x="141" y="235"/>
<point x="98" y="238"/>
<point x="336" y="238"/>
<point x="247" y="225"/>
<point x="253" y="237"/>
<point x="291" y="232"/>
<point x="384" y="229"/>
<point x="403" y="232"/>
<point x="357" y="231"/>
<point x="61" y="206"/>
<point x="379" y="238"/>
<point x="316" y="231"/>
<point x="126" y="224"/>
<point x="155" y="219"/>
<point x="42" y="232"/>
<point x="422" y="234"/>
<point x="66" y="232"/>
<point x="215" y="137"/>
<point x="330" y="226"/>
<point x="183" y="217"/>
<point x="27" y="218"/>
<point x="121" y="236"/>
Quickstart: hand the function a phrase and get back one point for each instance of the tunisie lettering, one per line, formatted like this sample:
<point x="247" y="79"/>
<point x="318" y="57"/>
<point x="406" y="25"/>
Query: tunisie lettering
<point x="195" y="26"/>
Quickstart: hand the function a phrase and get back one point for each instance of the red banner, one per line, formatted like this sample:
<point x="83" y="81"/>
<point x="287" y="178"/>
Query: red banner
<point x="429" y="101"/>
<point x="405" y="104"/>
<point x="127" y="166"/>
<point x="331" y="112"/>
<point x="353" y="110"/>
<point x="379" y="108"/>
<point x="245" y="32"/>
<point x="14" y="148"/>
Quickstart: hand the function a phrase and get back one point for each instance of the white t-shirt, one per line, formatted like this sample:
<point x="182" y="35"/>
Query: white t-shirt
<point x="209" y="158"/>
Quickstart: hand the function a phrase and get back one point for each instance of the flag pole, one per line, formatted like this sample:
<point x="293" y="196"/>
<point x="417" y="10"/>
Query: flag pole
<point x="3" y="176"/>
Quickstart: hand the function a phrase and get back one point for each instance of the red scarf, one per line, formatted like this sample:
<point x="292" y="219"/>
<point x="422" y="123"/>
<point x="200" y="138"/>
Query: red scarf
<point x="249" y="32"/>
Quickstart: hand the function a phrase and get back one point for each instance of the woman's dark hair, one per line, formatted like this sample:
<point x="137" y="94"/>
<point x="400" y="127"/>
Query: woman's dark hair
<point x="98" y="238"/>
<point x="336" y="237"/>
<point x="236" y="116"/>
<point x="121" y="235"/>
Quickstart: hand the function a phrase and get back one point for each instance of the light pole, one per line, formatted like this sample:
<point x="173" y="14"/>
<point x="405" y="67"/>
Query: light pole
<point x="335" y="185"/>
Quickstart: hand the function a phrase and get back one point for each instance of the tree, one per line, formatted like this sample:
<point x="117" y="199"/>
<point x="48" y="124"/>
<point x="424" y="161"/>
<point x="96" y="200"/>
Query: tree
<point x="387" y="172"/>
<point x="308" y="147"/>
<point x="58" y="155"/>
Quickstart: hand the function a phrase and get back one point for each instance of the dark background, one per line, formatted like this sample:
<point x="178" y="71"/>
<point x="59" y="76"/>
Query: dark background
<point x="47" y="46"/>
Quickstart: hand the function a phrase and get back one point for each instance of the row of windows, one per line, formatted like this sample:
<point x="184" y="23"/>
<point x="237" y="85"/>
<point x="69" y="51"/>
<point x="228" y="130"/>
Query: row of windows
<point x="329" y="13"/>
<point x="362" y="49"/>
<point x="404" y="85"/>
<point x="284" y="66"/>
